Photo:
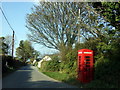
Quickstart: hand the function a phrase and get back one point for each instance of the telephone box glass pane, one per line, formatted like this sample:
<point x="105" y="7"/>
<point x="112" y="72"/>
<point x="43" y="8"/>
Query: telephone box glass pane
<point x="87" y="62"/>
<point x="87" y="65"/>
<point x="87" y="59"/>
<point x="87" y="56"/>
<point x="79" y="59"/>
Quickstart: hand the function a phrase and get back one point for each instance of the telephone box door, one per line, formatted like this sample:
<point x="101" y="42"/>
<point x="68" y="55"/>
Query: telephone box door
<point x="85" y="65"/>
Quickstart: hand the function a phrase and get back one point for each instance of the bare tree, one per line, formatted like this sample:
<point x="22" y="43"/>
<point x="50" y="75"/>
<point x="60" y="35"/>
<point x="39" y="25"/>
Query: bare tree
<point x="53" y="24"/>
<point x="8" y="41"/>
<point x="56" y="25"/>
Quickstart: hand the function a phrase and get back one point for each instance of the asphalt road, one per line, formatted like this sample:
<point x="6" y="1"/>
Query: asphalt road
<point x="30" y="77"/>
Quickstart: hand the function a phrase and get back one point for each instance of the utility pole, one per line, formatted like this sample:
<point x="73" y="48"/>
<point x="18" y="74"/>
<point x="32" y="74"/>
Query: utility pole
<point x="79" y="28"/>
<point x="13" y="44"/>
<point x="11" y="29"/>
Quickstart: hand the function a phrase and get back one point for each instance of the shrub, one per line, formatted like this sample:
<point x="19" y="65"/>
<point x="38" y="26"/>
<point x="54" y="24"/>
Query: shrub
<point x="52" y="65"/>
<point x="9" y="63"/>
<point x="36" y="63"/>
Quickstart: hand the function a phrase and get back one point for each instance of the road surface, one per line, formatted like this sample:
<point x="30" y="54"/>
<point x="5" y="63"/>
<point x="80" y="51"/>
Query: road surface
<point x="29" y="77"/>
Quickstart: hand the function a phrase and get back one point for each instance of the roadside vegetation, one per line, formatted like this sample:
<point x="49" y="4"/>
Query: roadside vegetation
<point x="60" y="26"/>
<point x="24" y="52"/>
<point x="99" y="25"/>
<point x="106" y="73"/>
<point x="8" y="64"/>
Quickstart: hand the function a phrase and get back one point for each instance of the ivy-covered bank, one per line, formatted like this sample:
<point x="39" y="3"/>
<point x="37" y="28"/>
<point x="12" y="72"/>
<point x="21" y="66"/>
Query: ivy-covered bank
<point x="9" y="64"/>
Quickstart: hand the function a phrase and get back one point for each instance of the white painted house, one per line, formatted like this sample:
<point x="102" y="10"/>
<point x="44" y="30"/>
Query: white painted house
<point x="34" y="62"/>
<point x="46" y="58"/>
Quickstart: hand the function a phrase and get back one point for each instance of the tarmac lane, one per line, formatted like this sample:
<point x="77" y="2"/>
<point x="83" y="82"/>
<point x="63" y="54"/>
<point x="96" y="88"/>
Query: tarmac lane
<point x="29" y="77"/>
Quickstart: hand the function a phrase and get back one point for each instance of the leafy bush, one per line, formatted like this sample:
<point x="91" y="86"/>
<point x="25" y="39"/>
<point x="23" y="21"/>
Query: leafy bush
<point x="9" y="63"/>
<point x="36" y="63"/>
<point x="52" y="65"/>
<point x="69" y="66"/>
<point x="107" y="65"/>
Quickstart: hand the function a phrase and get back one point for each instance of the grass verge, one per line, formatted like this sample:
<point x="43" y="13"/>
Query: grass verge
<point x="57" y="75"/>
<point x="64" y="78"/>
<point x="100" y="83"/>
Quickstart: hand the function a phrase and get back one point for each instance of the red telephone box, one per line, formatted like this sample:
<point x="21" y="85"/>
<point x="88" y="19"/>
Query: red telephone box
<point x="85" y="65"/>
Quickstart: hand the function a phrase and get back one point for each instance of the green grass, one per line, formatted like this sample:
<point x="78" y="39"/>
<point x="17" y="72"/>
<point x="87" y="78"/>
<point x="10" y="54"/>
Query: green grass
<point x="64" y="78"/>
<point x="100" y="83"/>
<point x="57" y="75"/>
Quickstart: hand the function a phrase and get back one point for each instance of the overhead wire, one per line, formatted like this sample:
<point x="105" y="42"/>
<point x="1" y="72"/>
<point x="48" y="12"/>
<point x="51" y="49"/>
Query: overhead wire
<point x="14" y="34"/>
<point x="6" y="19"/>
